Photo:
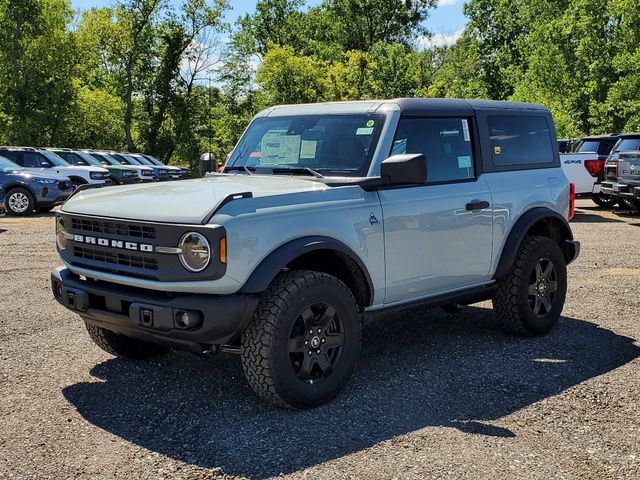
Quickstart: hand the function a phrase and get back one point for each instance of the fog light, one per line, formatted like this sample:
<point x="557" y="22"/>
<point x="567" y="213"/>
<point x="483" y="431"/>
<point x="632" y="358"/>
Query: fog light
<point x="183" y="320"/>
<point x="187" y="320"/>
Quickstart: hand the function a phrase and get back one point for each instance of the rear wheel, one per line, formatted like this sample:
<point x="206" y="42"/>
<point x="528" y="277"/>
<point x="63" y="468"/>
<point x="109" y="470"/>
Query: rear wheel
<point x="303" y="344"/>
<point x="19" y="202"/>
<point x="604" y="201"/>
<point x="531" y="296"/>
<point x="629" y="203"/>
<point x="122" y="346"/>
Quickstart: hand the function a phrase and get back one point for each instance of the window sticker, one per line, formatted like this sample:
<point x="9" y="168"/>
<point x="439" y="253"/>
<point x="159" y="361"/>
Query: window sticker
<point x="465" y="130"/>
<point x="497" y="150"/>
<point x="280" y="149"/>
<point x="464" y="161"/>
<point x="370" y="123"/>
<point x="364" y="131"/>
<point x="308" y="149"/>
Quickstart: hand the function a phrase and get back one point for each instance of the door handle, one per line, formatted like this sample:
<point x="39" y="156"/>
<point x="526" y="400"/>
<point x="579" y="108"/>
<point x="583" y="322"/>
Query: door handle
<point x="477" y="205"/>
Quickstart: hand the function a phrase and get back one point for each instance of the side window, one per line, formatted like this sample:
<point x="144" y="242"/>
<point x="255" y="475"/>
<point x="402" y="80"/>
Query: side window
<point x="445" y="142"/>
<point x="520" y="140"/>
<point x="34" y="160"/>
<point x="14" y="156"/>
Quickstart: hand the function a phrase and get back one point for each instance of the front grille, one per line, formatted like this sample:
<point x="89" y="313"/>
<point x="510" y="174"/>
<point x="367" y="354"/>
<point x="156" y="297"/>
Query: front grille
<point x="127" y="260"/>
<point x="111" y="228"/>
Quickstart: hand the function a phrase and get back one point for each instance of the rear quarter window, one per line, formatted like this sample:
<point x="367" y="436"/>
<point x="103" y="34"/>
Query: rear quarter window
<point x="520" y="140"/>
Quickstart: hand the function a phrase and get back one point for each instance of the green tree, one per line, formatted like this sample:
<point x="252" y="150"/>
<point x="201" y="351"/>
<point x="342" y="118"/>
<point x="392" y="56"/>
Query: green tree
<point x="36" y="69"/>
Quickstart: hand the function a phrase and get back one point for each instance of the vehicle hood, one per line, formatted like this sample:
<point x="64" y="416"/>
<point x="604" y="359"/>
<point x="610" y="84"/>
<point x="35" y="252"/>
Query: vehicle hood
<point x="127" y="168"/>
<point x="84" y="168"/>
<point x="187" y="201"/>
<point x="27" y="175"/>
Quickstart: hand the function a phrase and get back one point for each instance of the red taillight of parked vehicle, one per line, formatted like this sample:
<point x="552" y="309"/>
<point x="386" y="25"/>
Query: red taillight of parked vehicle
<point x="594" y="167"/>
<point x="572" y="200"/>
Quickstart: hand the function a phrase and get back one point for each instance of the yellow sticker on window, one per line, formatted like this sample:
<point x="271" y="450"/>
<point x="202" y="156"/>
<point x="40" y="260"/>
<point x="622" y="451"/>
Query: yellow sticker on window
<point x="497" y="150"/>
<point x="370" y="123"/>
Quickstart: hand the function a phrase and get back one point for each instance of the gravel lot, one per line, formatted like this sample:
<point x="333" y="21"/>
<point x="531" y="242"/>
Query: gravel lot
<point x="436" y="395"/>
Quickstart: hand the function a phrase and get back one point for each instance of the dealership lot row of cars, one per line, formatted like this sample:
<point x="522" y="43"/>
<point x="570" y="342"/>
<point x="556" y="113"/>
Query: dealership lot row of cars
<point x="605" y="168"/>
<point x="38" y="179"/>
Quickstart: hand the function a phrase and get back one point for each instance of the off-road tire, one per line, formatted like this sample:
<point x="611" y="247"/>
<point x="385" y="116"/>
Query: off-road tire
<point x="123" y="346"/>
<point x="629" y="203"/>
<point x="604" y="201"/>
<point x="265" y="355"/>
<point x="511" y="301"/>
<point x="26" y="194"/>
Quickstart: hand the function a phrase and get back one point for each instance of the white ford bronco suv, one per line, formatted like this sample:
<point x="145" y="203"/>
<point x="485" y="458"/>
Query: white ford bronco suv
<point x="326" y="215"/>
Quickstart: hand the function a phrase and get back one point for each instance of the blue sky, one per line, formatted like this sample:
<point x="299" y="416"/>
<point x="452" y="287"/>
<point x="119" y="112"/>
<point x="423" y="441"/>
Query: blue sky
<point x="445" y="21"/>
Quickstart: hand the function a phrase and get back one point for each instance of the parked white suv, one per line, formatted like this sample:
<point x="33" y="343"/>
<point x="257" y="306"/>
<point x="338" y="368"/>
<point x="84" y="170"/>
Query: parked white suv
<point x="44" y="161"/>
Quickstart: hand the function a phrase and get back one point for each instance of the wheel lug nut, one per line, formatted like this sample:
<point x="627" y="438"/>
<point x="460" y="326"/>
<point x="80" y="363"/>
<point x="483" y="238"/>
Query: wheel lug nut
<point x="306" y="342"/>
<point x="319" y="330"/>
<point x="310" y="332"/>
<point x="318" y="352"/>
<point x="324" y="340"/>
<point x="310" y="352"/>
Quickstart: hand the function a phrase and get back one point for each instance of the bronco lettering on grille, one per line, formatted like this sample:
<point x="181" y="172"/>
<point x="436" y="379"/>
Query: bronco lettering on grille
<point x="106" y="242"/>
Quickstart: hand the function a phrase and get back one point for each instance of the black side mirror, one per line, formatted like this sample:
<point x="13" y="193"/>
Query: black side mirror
<point x="405" y="169"/>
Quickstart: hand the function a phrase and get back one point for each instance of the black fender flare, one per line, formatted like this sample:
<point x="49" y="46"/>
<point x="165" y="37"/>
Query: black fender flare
<point x="520" y="230"/>
<point x="80" y="179"/>
<point x="279" y="258"/>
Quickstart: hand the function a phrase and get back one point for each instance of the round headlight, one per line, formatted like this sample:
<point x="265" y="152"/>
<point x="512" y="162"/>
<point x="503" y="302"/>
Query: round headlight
<point x="61" y="234"/>
<point x="195" y="252"/>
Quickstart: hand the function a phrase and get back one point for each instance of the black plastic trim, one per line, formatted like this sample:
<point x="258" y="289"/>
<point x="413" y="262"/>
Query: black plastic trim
<point x="273" y="264"/>
<point x="229" y="198"/>
<point x="465" y="297"/>
<point x="519" y="231"/>
<point x="114" y="307"/>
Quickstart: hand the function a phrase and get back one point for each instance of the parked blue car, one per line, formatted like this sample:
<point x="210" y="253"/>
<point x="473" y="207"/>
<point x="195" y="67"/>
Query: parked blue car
<point x="25" y="191"/>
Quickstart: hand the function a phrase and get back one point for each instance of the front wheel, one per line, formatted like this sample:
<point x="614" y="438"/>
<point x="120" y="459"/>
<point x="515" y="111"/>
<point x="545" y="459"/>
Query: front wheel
<point x="303" y="344"/>
<point x="531" y="296"/>
<point x="19" y="202"/>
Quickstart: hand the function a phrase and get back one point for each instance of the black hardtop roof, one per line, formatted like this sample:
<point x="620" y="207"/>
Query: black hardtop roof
<point x="459" y="106"/>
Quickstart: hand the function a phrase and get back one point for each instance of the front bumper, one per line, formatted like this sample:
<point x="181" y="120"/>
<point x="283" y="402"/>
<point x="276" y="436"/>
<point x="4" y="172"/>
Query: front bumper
<point x="155" y="316"/>
<point x="50" y="195"/>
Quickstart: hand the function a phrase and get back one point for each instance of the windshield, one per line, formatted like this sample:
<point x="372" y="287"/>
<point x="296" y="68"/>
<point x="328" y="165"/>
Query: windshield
<point x="144" y="161"/>
<point x="88" y="159"/>
<point x="103" y="158"/>
<point x="7" y="165"/>
<point x="154" y="160"/>
<point x="55" y="159"/>
<point x="339" y="145"/>
<point x="628" y="145"/>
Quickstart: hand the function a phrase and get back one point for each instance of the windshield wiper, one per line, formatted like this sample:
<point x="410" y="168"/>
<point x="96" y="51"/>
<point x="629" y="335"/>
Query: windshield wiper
<point x="240" y="168"/>
<point x="294" y="170"/>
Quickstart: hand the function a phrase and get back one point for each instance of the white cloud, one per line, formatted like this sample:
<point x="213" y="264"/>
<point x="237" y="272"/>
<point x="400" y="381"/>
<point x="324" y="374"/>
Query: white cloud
<point x="447" y="3"/>
<point x="440" y="39"/>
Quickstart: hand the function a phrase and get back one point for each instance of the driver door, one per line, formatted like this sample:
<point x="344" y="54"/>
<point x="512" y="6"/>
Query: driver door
<point x="438" y="236"/>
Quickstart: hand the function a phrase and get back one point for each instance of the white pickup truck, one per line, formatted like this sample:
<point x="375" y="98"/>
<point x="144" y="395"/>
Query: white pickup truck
<point x="584" y="167"/>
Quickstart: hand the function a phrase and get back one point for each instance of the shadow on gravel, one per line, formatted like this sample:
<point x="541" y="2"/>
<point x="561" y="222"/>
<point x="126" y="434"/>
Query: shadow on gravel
<point x="582" y="217"/>
<point x="421" y="370"/>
